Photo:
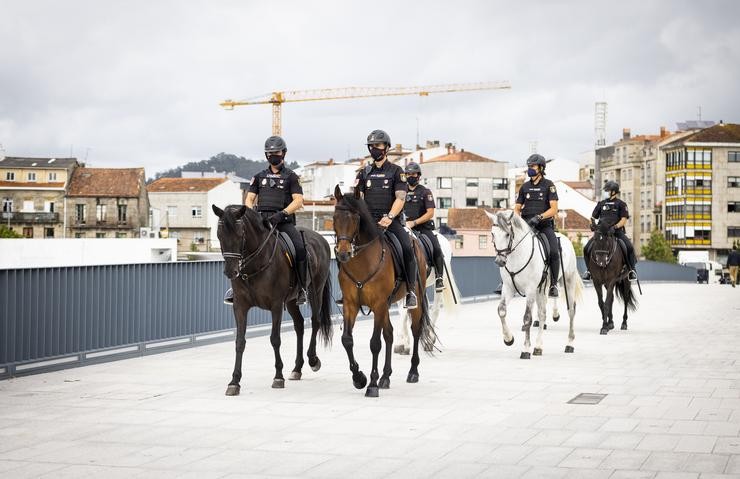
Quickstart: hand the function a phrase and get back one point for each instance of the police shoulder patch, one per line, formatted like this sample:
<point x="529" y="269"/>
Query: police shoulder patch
<point x="403" y="177"/>
<point x="552" y="189"/>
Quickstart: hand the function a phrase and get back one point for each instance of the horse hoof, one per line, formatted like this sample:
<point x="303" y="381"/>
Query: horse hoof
<point x="537" y="352"/>
<point x="233" y="390"/>
<point x="569" y="349"/>
<point x="556" y="318"/>
<point x="278" y="383"/>
<point x="536" y="324"/>
<point x="510" y="342"/>
<point x="603" y="331"/>
<point x="544" y="326"/>
<point x="624" y="326"/>
<point x="384" y="383"/>
<point x="372" y="392"/>
<point x="316" y="364"/>
<point x="359" y="380"/>
<point x="294" y="375"/>
<point x="525" y="355"/>
<point x="406" y="351"/>
<point x="412" y="378"/>
<point x="399" y="349"/>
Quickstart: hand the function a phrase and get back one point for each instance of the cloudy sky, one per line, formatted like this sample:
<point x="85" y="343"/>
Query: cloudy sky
<point x="137" y="83"/>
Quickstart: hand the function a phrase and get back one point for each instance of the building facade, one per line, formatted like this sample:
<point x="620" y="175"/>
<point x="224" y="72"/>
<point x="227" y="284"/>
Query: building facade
<point x="107" y="203"/>
<point x="32" y="191"/>
<point x="181" y="207"/>
<point x="702" y="190"/>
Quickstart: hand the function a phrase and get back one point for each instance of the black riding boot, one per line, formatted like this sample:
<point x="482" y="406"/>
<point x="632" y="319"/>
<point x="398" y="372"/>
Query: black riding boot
<point x="411" y="273"/>
<point x="302" y="267"/>
<point x="439" y="283"/>
<point x="554" y="270"/>
<point x="229" y="297"/>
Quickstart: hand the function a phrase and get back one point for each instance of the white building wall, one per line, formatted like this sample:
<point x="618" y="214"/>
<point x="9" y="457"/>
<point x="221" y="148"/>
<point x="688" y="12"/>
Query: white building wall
<point x="570" y="199"/>
<point x="227" y="193"/>
<point x="183" y="203"/>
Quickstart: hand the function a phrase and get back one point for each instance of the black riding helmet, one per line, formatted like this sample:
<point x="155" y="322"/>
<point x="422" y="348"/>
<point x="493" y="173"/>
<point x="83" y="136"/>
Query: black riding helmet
<point x="275" y="144"/>
<point x="378" y="136"/>
<point x="611" y="186"/>
<point x="536" y="159"/>
<point x="412" y="168"/>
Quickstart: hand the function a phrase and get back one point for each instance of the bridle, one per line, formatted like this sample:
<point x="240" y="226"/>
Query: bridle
<point x="356" y="249"/>
<point x="504" y="252"/>
<point x="245" y="260"/>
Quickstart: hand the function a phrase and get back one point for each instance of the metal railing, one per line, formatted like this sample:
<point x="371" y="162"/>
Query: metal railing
<point x="31" y="217"/>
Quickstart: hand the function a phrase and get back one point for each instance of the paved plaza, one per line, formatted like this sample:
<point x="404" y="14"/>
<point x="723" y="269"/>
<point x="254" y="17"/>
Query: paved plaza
<point x="672" y="407"/>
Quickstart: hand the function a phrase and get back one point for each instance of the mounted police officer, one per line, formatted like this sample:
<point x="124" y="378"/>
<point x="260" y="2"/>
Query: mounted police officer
<point x="419" y="211"/>
<point x="278" y="195"/>
<point x="384" y="189"/>
<point x="613" y="212"/>
<point x="537" y="203"/>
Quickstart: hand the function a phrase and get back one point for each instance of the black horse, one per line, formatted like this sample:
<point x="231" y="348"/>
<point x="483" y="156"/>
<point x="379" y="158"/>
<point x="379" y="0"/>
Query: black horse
<point x="262" y="276"/>
<point x="606" y="263"/>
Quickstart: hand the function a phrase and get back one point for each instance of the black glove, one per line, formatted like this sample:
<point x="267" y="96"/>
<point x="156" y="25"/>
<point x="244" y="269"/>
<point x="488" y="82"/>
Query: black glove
<point x="534" y="221"/>
<point x="592" y="226"/>
<point x="277" y="218"/>
<point x="611" y="230"/>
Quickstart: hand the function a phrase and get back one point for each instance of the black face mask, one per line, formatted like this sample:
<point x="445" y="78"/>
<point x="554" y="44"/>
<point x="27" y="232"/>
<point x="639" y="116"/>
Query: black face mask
<point x="275" y="159"/>
<point x="377" y="153"/>
<point x="412" y="180"/>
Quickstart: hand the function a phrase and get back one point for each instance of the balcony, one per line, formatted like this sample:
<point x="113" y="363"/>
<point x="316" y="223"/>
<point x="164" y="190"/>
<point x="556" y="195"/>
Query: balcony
<point x="32" y="217"/>
<point x="76" y="222"/>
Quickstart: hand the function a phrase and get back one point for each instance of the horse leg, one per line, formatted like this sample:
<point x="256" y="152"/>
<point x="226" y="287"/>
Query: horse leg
<point x="541" y="301"/>
<point x="608" y="307"/>
<point x="413" y="376"/>
<point x="434" y="313"/>
<point x="359" y="380"/>
<point x="240" y="316"/>
<point x="624" y="316"/>
<point x="404" y="343"/>
<point x="313" y="359"/>
<point x="505" y="297"/>
<point x="602" y="307"/>
<point x="526" y="327"/>
<point x="277" y="318"/>
<point x="375" y="346"/>
<point x="569" y="348"/>
<point x="298" y="325"/>
<point x="385" y="379"/>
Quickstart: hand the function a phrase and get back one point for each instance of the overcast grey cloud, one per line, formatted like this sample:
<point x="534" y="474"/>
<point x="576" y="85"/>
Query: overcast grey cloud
<point x="138" y="82"/>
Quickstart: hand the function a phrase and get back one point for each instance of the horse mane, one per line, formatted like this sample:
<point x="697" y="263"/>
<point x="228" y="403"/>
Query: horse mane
<point x="518" y="222"/>
<point x="368" y="226"/>
<point x="231" y="216"/>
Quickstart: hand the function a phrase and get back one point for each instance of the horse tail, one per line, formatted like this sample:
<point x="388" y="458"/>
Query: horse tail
<point x="427" y="334"/>
<point x="626" y="294"/>
<point x="326" y="328"/>
<point x="451" y="294"/>
<point x="577" y="287"/>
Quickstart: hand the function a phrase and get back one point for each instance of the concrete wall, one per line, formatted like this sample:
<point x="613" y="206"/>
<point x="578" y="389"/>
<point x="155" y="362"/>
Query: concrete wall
<point x="36" y="253"/>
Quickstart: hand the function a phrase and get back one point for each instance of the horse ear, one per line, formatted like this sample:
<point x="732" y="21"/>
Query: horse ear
<point x="219" y="212"/>
<point x="338" y="193"/>
<point x="242" y="210"/>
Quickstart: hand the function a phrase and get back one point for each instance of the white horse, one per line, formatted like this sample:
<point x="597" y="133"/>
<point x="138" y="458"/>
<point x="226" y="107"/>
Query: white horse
<point x="450" y="297"/>
<point x="522" y="260"/>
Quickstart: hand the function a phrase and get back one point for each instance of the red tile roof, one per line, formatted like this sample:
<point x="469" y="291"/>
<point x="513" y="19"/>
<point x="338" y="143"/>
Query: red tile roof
<point x="723" y="133"/>
<point x="184" y="185"/>
<point x="110" y="182"/>
<point x="476" y="219"/>
<point x="462" y="156"/>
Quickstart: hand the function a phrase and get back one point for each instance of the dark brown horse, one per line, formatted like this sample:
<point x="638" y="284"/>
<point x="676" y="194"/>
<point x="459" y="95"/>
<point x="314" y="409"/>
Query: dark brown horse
<point x="606" y="263"/>
<point x="367" y="278"/>
<point x="261" y="276"/>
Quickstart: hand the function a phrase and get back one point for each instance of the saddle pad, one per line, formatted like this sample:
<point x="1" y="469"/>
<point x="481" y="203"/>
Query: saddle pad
<point x="396" y="253"/>
<point x="289" y="247"/>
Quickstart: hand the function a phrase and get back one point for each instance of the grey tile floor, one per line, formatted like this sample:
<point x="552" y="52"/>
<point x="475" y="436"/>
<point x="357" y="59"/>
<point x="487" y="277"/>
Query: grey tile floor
<point x="672" y="407"/>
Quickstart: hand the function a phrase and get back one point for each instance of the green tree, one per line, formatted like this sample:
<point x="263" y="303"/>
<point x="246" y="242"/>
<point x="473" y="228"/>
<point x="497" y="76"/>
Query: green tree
<point x="578" y="245"/>
<point x="6" y="232"/>
<point x="242" y="167"/>
<point x="658" y="249"/>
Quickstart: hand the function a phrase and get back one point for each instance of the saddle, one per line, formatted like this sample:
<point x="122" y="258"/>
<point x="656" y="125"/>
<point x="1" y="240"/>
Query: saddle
<point x="427" y="248"/>
<point x="288" y="249"/>
<point x="396" y="254"/>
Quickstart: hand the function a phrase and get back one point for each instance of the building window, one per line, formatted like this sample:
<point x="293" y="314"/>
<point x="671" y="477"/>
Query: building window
<point x="79" y="235"/>
<point x="9" y="176"/>
<point x="733" y="231"/>
<point x="122" y="214"/>
<point x="472" y="182"/>
<point x="444" y="203"/>
<point x="28" y="232"/>
<point x="199" y="238"/>
<point x="100" y="213"/>
<point x="196" y="211"/>
<point x="733" y="181"/>
<point x="733" y="156"/>
<point x="120" y="234"/>
<point x="171" y="213"/>
<point x="471" y="201"/>
<point x="733" y="207"/>
<point x="482" y="241"/>
<point x="100" y="235"/>
<point x="458" y="241"/>
<point x="52" y="176"/>
<point x="444" y="182"/>
<point x="48" y="232"/>
<point x="80" y="213"/>
<point x="7" y="205"/>
<point x="32" y="176"/>
<point x="49" y="206"/>
<point x="500" y="202"/>
<point x="500" y="183"/>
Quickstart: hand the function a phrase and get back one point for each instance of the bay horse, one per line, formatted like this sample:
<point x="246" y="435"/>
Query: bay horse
<point x="606" y="263"/>
<point x="522" y="259"/>
<point x="262" y="276"/>
<point x="367" y="278"/>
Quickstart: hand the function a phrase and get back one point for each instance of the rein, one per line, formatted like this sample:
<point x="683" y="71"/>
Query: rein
<point x="244" y="261"/>
<point x="507" y="251"/>
<point x="361" y="284"/>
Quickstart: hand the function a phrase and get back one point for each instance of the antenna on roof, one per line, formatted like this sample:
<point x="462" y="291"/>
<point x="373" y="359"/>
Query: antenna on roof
<point x="600" y="124"/>
<point x="698" y="113"/>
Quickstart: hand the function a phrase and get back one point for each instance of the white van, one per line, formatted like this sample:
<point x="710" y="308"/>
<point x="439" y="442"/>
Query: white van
<point x="709" y="272"/>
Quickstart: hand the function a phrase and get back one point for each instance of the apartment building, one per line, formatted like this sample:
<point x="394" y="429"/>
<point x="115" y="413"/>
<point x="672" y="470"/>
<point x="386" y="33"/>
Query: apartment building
<point x="702" y="189"/>
<point x="32" y="192"/>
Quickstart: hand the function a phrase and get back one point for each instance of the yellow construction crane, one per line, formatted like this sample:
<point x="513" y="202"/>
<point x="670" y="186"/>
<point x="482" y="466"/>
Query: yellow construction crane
<point x="277" y="98"/>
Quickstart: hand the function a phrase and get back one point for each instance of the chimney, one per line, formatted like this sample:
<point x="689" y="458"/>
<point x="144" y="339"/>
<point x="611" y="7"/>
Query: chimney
<point x="625" y="133"/>
<point x="721" y="123"/>
<point x="421" y="157"/>
<point x="398" y="147"/>
<point x="663" y="132"/>
<point x="330" y="162"/>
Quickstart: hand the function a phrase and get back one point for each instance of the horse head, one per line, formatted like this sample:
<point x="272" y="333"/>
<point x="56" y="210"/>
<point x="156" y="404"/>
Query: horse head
<point x="603" y="245"/>
<point x="352" y="223"/>
<point x="232" y="237"/>
<point x="502" y="234"/>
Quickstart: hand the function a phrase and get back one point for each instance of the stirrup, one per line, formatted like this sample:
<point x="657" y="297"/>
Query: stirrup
<point x="410" y="301"/>
<point x="553" y="293"/>
<point x="632" y="275"/>
<point x="229" y="297"/>
<point x="301" y="298"/>
<point x="439" y="285"/>
<point x="587" y="275"/>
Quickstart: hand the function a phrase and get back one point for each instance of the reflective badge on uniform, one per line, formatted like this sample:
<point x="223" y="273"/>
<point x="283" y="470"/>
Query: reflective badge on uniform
<point x="527" y="195"/>
<point x="403" y="177"/>
<point x="552" y="189"/>
<point x="385" y="182"/>
<point x="264" y="181"/>
<point x="368" y="183"/>
<point x="282" y="181"/>
<point x="605" y="208"/>
<point x="429" y="197"/>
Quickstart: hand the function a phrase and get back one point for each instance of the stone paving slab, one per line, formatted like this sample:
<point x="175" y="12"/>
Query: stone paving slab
<point x="672" y="408"/>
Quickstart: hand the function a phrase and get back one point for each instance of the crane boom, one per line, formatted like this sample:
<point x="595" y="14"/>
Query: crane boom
<point x="277" y="98"/>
